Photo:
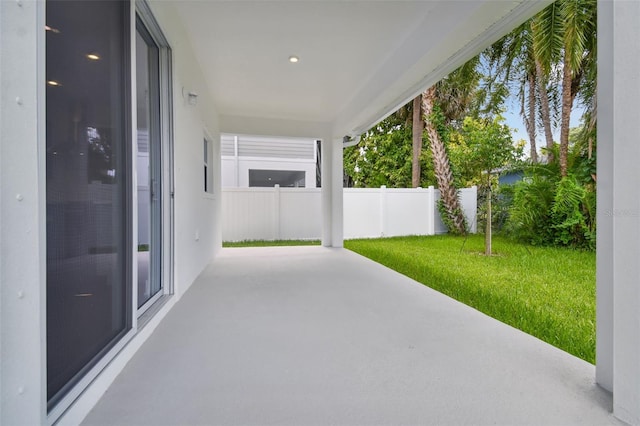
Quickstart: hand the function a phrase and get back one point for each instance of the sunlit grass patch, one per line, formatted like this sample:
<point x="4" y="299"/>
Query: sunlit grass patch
<point x="268" y="243"/>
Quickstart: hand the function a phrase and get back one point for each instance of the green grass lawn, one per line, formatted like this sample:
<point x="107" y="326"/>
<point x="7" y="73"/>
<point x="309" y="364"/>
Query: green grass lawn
<point x="546" y="292"/>
<point x="265" y="243"/>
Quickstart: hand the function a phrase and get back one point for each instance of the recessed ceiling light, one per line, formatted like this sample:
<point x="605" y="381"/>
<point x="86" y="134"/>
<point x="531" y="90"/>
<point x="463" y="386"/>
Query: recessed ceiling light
<point x="293" y="59"/>
<point x="93" y="56"/>
<point x="53" y="83"/>
<point x="53" y="30"/>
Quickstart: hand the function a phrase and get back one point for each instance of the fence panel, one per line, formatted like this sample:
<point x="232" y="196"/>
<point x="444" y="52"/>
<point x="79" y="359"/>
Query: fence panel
<point x="362" y="213"/>
<point x="407" y="211"/>
<point x="296" y="213"/>
<point x="249" y="214"/>
<point x="469" y="203"/>
<point x="300" y="214"/>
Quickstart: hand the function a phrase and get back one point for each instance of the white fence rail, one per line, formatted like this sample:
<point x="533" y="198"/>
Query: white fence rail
<point x="296" y="213"/>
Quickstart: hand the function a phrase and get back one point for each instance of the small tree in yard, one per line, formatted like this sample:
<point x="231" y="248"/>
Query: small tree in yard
<point x="490" y="148"/>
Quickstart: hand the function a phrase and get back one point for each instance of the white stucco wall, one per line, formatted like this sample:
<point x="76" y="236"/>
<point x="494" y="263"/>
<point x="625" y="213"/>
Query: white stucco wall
<point x="22" y="215"/>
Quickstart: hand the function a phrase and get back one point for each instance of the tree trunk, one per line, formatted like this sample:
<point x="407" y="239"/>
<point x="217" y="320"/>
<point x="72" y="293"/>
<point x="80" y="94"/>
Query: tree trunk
<point x="567" y="103"/>
<point x="544" y="109"/>
<point x="444" y="177"/>
<point x="530" y="121"/>
<point x="487" y="231"/>
<point x="417" y="128"/>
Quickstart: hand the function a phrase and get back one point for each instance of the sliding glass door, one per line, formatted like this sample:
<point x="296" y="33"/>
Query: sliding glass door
<point x="149" y="168"/>
<point x="88" y="186"/>
<point x="94" y="158"/>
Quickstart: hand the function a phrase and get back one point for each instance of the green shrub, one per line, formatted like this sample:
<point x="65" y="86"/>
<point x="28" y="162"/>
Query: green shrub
<point x="569" y="214"/>
<point x="548" y="211"/>
<point x="530" y="215"/>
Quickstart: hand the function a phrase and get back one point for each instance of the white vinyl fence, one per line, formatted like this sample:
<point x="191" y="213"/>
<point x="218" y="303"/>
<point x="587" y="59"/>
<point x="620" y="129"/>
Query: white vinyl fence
<point x="296" y="213"/>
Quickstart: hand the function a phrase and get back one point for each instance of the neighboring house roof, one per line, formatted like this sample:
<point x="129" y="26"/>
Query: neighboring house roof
<point x="510" y="177"/>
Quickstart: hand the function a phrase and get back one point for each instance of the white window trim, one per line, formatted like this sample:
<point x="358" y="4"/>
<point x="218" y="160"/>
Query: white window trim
<point x="212" y="166"/>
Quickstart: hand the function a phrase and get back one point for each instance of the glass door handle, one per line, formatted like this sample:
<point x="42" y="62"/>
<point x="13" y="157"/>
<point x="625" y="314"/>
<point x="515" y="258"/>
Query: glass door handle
<point x="152" y="189"/>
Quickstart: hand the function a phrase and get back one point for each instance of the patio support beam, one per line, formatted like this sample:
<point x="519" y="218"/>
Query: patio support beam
<point x="327" y="210"/>
<point x="332" y="235"/>
<point x="604" y="242"/>
<point x="619" y="231"/>
<point x="337" y="178"/>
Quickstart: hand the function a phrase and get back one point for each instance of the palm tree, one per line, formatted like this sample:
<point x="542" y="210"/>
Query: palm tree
<point x="417" y="128"/>
<point x="564" y="37"/>
<point x="529" y="116"/>
<point x="545" y="110"/>
<point x="444" y="176"/>
<point x="513" y="57"/>
<point x="455" y="96"/>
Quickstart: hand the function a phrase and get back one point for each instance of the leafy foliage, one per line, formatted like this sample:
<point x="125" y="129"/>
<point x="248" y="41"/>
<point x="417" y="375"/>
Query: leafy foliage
<point x="550" y="61"/>
<point x="564" y="39"/>
<point x="489" y="149"/>
<point x="569" y="221"/>
<point x="530" y="214"/>
<point x="383" y="157"/>
<point x="490" y="146"/>
<point x="548" y="209"/>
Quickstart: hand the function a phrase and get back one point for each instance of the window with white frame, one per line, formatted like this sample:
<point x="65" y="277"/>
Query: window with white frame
<point x="208" y="169"/>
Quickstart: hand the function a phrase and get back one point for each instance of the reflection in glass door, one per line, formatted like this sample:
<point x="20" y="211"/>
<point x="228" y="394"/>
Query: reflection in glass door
<point x="149" y="165"/>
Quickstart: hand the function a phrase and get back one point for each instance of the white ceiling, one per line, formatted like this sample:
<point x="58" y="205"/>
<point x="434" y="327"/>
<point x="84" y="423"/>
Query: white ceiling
<point x="359" y="60"/>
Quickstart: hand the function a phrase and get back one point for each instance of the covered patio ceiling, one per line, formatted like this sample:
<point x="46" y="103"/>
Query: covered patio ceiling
<point x="358" y="60"/>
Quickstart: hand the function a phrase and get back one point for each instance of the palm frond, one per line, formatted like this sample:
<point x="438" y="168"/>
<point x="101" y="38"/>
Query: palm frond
<point x="578" y="18"/>
<point x="547" y="36"/>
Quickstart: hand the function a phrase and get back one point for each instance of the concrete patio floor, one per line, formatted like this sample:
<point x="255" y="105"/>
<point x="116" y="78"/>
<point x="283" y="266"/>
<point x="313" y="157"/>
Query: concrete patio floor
<point x="318" y="336"/>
